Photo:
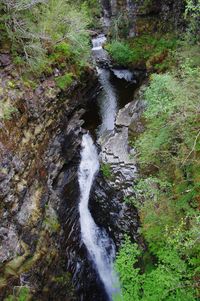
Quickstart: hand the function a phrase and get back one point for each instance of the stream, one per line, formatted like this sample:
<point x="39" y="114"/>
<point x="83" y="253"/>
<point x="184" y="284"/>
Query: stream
<point x="100" y="247"/>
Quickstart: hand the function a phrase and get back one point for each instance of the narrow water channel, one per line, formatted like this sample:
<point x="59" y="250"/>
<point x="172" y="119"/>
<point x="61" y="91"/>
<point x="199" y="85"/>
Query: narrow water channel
<point x="100" y="247"/>
<point x="117" y="86"/>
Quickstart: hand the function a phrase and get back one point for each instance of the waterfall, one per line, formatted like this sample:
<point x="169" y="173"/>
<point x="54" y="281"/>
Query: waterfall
<point x="98" y="42"/>
<point x="107" y="100"/>
<point x="100" y="247"/>
<point x="123" y="74"/>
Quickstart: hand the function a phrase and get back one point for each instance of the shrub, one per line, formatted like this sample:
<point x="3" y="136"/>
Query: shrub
<point x="22" y="294"/>
<point x="192" y="14"/>
<point x="172" y="105"/>
<point x="170" y="279"/>
<point x="120" y="52"/>
<point x="63" y="48"/>
<point x="7" y="111"/>
<point x="167" y="196"/>
<point x="64" y="81"/>
<point x="145" y="49"/>
<point x="35" y="27"/>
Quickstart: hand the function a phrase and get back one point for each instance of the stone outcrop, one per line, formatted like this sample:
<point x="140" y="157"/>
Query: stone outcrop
<point x="40" y="136"/>
<point x="116" y="151"/>
<point x="149" y="16"/>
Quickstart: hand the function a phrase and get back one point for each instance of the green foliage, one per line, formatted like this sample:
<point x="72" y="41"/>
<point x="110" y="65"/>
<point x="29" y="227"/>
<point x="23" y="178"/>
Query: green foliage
<point x="106" y="170"/>
<point x="170" y="144"/>
<point x="167" y="197"/>
<point x="120" y="26"/>
<point x="92" y="9"/>
<point x="172" y="105"/>
<point x="169" y="280"/>
<point x="7" y="111"/>
<point x="36" y="27"/>
<point x="129" y="276"/>
<point x="145" y="49"/>
<point x="63" y="48"/>
<point x="64" y="81"/>
<point x="148" y="46"/>
<point x="148" y="189"/>
<point x="192" y="14"/>
<point x="22" y="293"/>
<point x="120" y="52"/>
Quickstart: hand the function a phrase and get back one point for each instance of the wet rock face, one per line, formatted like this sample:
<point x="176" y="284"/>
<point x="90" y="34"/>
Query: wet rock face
<point x="116" y="151"/>
<point x="150" y="16"/>
<point x="111" y="213"/>
<point x="4" y="60"/>
<point x="107" y="201"/>
<point x="40" y="143"/>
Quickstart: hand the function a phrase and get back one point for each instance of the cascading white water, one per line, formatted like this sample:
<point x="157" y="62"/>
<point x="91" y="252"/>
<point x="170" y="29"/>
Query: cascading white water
<point x="123" y="74"/>
<point x="98" y="42"/>
<point x="100" y="247"/>
<point x="108" y="97"/>
<point x="98" y="52"/>
<point x="107" y="100"/>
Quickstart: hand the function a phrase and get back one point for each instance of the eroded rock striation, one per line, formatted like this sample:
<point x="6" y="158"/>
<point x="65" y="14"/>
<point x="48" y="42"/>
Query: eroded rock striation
<point x="40" y="138"/>
<point x="116" y="150"/>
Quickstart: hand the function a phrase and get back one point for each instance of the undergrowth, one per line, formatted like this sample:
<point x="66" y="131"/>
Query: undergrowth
<point x="168" y="194"/>
<point x="147" y="50"/>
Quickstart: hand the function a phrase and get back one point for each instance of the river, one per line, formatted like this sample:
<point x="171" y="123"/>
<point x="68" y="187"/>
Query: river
<point x="100" y="247"/>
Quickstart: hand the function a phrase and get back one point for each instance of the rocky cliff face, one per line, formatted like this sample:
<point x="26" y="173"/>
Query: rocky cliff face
<point x="40" y="135"/>
<point x="41" y="247"/>
<point x="147" y="16"/>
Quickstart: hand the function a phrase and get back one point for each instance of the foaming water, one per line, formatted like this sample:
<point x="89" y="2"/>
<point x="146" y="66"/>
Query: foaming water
<point x="98" y="42"/>
<point x="107" y="100"/>
<point x="123" y="74"/>
<point x="99" y="53"/>
<point x="100" y="247"/>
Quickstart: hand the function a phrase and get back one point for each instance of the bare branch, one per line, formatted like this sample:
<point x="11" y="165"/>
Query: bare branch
<point x="193" y="148"/>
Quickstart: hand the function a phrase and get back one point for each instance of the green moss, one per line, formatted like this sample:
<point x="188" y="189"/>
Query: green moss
<point x="64" y="279"/>
<point x="106" y="170"/>
<point x="7" y="110"/>
<point x="64" y="81"/>
<point x="52" y="224"/>
<point x="51" y="221"/>
<point x="63" y="48"/>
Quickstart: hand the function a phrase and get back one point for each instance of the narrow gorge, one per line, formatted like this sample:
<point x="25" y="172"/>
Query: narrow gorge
<point x="99" y="161"/>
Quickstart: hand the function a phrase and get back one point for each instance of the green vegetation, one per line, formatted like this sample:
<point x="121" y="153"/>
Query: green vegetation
<point x="150" y="51"/>
<point x="92" y="8"/>
<point x="51" y="221"/>
<point x="120" y="26"/>
<point x="64" y="81"/>
<point x="192" y="14"/>
<point x="38" y="29"/>
<point x="120" y="52"/>
<point x="7" y="111"/>
<point x="21" y="294"/>
<point x="170" y="279"/>
<point x="168" y="193"/>
<point x="106" y="170"/>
